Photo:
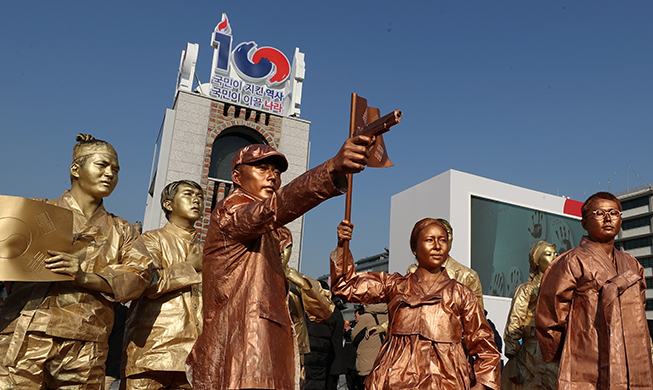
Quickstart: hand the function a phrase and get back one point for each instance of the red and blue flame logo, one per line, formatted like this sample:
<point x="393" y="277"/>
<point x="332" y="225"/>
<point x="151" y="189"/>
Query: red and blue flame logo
<point x="265" y="63"/>
<point x="254" y="64"/>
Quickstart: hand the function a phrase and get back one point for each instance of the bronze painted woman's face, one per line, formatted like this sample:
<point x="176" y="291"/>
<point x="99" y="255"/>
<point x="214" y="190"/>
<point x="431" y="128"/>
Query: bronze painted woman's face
<point x="432" y="247"/>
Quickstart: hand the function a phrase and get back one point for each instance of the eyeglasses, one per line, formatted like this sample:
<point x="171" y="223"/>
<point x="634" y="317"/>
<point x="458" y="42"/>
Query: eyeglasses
<point x="601" y="214"/>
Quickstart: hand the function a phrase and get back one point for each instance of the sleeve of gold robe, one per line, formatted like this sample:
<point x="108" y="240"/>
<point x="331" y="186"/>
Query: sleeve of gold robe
<point x="129" y="276"/>
<point x="553" y="304"/>
<point x="473" y="282"/>
<point x="517" y="320"/>
<point x="169" y="278"/>
<point x="317" y="302"/>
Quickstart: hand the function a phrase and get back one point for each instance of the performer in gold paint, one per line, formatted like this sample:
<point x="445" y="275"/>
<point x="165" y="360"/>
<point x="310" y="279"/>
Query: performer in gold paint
<point x="456" y="270"/>
<point x="430" y="313"/>
<point x="526" y="366"/>
<point x="590" y="312"/>
<point x="55" y="334"/>
<point x="305" y="295"/>
<point x="248" y="336"/>
<point x="164" y="323"/>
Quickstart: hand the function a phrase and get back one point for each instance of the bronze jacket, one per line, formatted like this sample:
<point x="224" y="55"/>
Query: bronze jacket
<point x="164" y="323"/>
<point x="424" y="349"/>
<point x="61" y="309"/>
<point x="461" y="274"/>
<point x="591" y="317"/>
<point x="248" y="340"/>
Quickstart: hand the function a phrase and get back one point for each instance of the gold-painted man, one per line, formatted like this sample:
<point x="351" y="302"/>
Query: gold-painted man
<point x="164" y="323"/>
<point x="306" y="299"/>
<point x="54" y="334"/>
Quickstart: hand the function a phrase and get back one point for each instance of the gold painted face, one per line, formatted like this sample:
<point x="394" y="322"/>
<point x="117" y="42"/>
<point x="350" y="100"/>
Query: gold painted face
<point x="98" y="176"/>
<point x="260" y="179"/>
<point x="187" y="205"/>
<point x="432" y="247"/>
<point x="546" y="257"/>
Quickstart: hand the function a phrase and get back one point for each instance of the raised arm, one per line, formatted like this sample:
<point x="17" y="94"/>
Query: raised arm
<point x="368" y="287"/>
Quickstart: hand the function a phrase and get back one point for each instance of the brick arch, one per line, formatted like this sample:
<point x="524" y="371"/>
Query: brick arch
<point x="220" y="119"/>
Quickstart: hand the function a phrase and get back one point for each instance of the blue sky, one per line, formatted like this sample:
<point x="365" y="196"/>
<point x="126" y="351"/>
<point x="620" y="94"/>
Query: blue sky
<point x="553" y="96"/>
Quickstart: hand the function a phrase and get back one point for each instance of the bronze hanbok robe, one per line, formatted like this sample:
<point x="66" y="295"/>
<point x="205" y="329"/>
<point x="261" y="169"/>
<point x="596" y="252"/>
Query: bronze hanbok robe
<point x="164" y="323"/>
<point x="521" y="343"/>
<point x="424" y="348"/>
<point x="248" y="340"/>
<point x="461" y="274"/>
<point x="590" y="315"/>
<point x="61" y="309"/>
<point x="466" y="276"/>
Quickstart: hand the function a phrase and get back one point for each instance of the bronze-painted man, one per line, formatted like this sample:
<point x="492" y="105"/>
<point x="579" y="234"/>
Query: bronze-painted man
<point x="590" y="312"/>
<point x="248" y="339"/>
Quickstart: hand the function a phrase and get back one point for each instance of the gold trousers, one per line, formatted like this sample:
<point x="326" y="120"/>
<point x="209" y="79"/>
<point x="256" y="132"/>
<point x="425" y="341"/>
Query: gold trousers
<point x="46" y="362"/>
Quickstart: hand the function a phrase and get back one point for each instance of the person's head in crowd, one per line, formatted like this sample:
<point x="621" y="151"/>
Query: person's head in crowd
<point x="360" y="310"/>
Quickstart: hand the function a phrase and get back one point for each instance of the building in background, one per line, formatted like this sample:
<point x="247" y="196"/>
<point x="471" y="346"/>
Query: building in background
<point x="494" y="226"/>
<point x="636" y="235"/>
<point x="254" y="96"/>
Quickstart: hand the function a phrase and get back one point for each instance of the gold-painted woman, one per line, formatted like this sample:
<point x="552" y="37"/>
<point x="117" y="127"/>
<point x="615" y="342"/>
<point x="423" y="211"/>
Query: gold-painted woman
<point x="526" y="369"/>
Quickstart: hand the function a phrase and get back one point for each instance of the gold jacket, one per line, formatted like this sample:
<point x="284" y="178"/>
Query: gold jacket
<point x="521" y="341"/>
<point x="591" y="317"/>
<point x="424" y="349"/>
<point x="248" y="340"/>
<point x="164" y="323"/>
<point x="60" y="309"/>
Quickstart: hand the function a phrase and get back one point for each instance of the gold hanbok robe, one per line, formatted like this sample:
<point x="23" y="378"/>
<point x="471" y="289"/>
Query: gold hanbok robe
<point x="424" y="348"/>
<point x="521" y="343"/>
<point x="61" y="309"/>
<point x="165" y="322"/>
<point x="590" y="315"/>
<point x="248" y="339"/>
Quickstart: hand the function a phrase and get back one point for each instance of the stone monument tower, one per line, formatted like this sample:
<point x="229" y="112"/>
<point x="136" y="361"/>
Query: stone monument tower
<point x="254" y="96"/>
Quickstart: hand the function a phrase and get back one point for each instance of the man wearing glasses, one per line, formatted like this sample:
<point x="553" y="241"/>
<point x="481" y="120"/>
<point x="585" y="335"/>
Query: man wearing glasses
<point x="590" y="312"/>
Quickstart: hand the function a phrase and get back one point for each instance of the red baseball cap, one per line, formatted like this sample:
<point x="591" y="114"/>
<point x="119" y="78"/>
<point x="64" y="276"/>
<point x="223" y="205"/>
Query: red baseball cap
<point x="257" y="152"/>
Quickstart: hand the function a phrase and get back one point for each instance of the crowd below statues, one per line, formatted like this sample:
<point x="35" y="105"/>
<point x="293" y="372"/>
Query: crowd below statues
<point x="230" y="312"/>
